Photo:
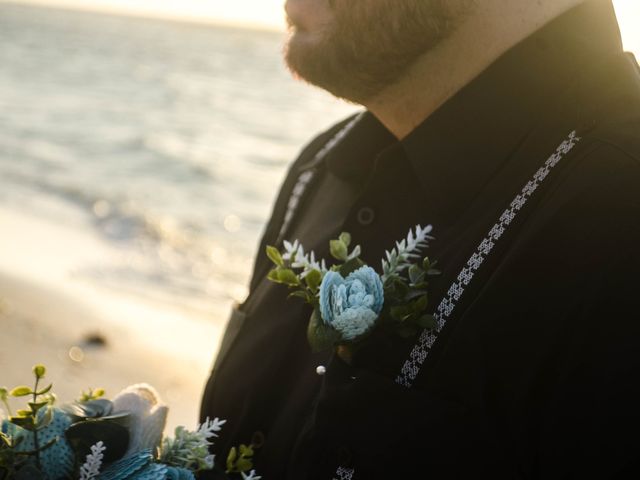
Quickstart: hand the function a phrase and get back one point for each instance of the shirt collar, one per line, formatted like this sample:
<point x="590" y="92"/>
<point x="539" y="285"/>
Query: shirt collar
<point x="353" y="156"/>
<point x="459" y="147"/>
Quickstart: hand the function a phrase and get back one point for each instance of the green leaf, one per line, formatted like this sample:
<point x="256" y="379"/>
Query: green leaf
<point x="419" y="305"/>
<point x="426" y="264"/>
<point x="39" y="370"/>
<point x="35" y="406"/>
<point x="49" y="444"/>
<point x="416" y="274"/>
<point x="231" y="458"/>
<point x="90" y="396"/>
<point x="241" y="463"/>
<point x="351" y="266"/>
<point x="433" y="272"/>
<point x="244" y="465"/>
<point x="427" y="322"/>
<point x="23" y="412"/>
<point x="45" y="390"/>
<point x="246" y="451"/>
<point x="414" y="293"/>
<point x="345" y="237"/>
<point x="338" y="250"/>
<point x="400" y="312"/>
<point x="273" y="275"/>
<point x="288" y="277"/>
<point x="24" y="422"/>
<point x="313" y="279"/>
<point x="402" y="289"/>
<point x="21" y="391"/>
<point x="275" y="256"/>
<point x="300" y="294"/>
<point x="4" y="393"/>
<point x="321" y="336"/>
<point x="46" y="419"/>
<point x="285" y="276"/>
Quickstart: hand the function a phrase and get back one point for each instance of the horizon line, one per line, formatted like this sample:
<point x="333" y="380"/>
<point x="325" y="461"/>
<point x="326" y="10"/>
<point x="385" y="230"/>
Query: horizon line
<point x="148" y="15"/>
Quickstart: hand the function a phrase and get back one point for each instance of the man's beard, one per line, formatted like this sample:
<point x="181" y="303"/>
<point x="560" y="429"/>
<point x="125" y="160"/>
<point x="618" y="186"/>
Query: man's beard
<point x="370" y="44"/>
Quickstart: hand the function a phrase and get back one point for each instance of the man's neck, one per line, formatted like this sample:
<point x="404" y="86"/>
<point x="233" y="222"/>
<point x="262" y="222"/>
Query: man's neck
<point x="494" y="28"/>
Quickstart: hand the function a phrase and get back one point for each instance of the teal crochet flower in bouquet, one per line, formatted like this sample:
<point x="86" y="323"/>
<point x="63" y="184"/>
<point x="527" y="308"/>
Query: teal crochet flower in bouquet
<point x="351" y="299"/>
<point x="57" y="460"/>
<point x="351" y="305"/>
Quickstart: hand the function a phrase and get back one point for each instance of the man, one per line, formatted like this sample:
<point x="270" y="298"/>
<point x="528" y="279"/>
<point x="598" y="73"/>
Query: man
<point x="511" y="126"/>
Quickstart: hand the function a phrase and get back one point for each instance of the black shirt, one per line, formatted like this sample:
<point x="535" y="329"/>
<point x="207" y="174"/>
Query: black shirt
<point x="536" y="372"/>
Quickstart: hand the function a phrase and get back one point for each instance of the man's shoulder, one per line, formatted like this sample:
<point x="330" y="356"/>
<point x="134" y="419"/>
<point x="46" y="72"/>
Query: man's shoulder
<point x="619" y="141"/>
<point x="590" y="204"/>
<point x="616" y="124"/>
<point x="607" y="160"/>
<point x="603" y="178"/>
<point x="610" y="163"/>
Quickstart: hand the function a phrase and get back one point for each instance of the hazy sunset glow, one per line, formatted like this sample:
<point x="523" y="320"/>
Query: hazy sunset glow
<point x="269" y="13"/>
<point x="629" y="18"/>
<point x="255" y="13"/>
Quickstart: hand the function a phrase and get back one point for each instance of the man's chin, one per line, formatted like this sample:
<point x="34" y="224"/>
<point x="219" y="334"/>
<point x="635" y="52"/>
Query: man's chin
<point x="301" y="47"/>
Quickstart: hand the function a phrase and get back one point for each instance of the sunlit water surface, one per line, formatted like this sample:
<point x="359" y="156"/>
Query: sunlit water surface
<point x="169" y="140"/>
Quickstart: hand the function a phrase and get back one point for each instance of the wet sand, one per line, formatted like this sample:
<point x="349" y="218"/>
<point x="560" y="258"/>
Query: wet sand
<point x="49" y="316"/>
<point x="41" y="325"/>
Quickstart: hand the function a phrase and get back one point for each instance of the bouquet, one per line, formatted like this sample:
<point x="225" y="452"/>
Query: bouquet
<point x="96" y="438"/>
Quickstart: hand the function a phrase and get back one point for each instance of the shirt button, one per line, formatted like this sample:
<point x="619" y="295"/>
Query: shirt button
<point x="257" y="439"/>
<point x="365" y="216"/>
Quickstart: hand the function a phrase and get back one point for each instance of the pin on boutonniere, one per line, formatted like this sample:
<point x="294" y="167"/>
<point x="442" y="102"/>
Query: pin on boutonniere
<point x="350" y="299"/>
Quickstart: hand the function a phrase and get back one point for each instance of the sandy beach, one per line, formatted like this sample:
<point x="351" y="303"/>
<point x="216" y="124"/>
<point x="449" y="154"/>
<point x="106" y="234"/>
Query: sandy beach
<point x="48" y="315"/>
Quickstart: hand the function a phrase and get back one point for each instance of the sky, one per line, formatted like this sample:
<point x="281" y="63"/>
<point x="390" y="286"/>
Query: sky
<point x="628" y="12"/>
<point x="256" y="13"/>
<point x="269" y="13"/>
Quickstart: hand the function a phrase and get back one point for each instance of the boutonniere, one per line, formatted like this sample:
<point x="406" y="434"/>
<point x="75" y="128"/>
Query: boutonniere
<point x="350" y="299"/>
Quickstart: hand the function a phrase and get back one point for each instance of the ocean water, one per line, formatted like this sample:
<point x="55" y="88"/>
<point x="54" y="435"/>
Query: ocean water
<point x="168" y="140"/>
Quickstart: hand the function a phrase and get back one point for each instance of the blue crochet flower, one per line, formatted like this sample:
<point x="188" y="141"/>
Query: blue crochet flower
<point x="351" y="305"/>
<point x="128" y="467"/>
<point x="57" y="461"/>
<point x="141" y="466"/>
<point x="177" y="473"/>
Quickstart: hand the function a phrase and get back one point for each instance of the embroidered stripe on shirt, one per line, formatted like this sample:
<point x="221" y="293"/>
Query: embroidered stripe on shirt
<point x="308" y="174"/>
<point x="418" y="355"/>
<point x="444" y="310"/>
<point x="343" y="474"/>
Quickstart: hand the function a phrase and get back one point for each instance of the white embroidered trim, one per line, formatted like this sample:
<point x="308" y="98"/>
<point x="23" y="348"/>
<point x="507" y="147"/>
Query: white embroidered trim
<point x="418" y="355"/>
<point x="304" y="179"/>
<point x="344" y="474"/>
<point x="294" y="200"/>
